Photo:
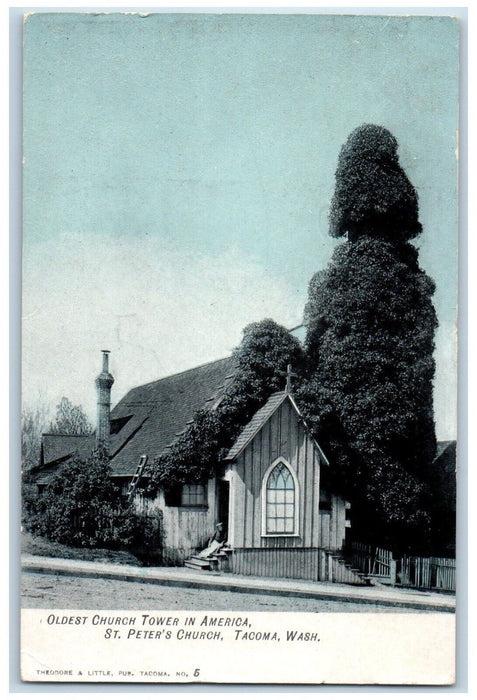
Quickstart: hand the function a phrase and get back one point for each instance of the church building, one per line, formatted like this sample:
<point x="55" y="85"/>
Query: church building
<point x="268" y="495"/>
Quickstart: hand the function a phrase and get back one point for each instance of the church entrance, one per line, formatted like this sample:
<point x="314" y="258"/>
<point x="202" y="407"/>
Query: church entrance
<point x="223" y="505"/>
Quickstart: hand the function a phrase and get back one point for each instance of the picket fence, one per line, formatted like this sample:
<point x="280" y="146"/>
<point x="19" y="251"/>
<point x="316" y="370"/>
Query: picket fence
<point x="436" y="573"/>
<point x="432" y="573"/>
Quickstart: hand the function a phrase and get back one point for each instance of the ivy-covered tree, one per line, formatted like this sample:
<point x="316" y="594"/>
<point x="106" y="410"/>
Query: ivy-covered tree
<point x="373" y="195"/>
<point x="370" y="343"/>
<point x="70" y="420"/>
<point x="260" y="362"/>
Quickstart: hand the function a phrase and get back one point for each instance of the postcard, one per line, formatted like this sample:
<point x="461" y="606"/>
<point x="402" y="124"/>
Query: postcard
<point x="239" y="378"/>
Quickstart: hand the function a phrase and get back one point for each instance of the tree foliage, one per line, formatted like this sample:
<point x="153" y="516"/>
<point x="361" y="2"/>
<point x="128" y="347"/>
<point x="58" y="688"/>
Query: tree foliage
<point x="33" y="423"/>
<point x="368" y="396"/>
<point x="373" y="195"/>
<point x="70" y="420"/>
<point x="260" y="361"/>
<point x="369" y="345"/>
<point x="81" y="506"/>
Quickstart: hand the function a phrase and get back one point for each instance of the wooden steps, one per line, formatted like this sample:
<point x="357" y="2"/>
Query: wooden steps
<point x="219" y="561"/>
<point x="337" y="568"/>
<point x="198" y="563"/>
<point x="340" y="571"/>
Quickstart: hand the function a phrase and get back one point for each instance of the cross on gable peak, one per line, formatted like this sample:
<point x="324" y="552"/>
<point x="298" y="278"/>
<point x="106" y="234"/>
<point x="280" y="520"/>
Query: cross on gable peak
<point x="289" y="375"/>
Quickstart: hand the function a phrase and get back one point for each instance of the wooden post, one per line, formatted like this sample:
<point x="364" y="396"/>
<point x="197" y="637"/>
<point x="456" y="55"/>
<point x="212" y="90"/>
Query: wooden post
<point x="393" y="571"/>
<point x="330" y="567"/>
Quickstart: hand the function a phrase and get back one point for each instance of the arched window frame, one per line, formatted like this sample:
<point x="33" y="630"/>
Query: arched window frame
<point x="272" y="466"/>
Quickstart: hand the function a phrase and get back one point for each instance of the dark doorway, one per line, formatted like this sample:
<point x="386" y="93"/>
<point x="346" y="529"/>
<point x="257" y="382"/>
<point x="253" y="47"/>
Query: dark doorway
<point x="223" y="510"/>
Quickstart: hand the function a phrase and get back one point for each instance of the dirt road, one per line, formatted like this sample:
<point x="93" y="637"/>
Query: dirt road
<point x="53" y="591"/>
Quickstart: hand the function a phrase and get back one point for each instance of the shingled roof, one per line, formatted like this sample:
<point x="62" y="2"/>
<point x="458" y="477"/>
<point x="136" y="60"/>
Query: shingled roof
<point x="151" y="417"/>
<point x="253" y="426"/>
<point x="56" y="449"/>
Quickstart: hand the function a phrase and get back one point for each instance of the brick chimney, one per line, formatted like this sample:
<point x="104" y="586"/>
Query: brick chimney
<point x="104" y="382"/>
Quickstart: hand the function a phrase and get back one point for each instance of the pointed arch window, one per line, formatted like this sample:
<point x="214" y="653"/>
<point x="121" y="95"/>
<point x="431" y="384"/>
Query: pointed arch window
<point x="280" y="500"/>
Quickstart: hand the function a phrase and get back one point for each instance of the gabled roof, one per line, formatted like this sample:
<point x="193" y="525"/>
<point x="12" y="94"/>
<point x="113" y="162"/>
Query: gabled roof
<point x="151" y="417"/>
<point x="258" y="421"/>
<point x="45" y="474"/>
<point x="58" y="447"/>
<point x="448" y="446"/>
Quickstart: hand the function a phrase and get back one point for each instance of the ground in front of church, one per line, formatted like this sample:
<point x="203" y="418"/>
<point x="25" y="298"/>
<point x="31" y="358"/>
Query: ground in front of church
<point x="70" y="592"/>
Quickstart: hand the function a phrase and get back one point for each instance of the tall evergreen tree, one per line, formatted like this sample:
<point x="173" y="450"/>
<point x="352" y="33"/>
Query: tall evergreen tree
<point x="370" y="342"/>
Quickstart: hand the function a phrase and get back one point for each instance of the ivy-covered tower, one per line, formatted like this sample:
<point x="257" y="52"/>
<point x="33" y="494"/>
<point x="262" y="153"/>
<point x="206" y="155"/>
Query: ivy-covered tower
<point x="370" y="343"/>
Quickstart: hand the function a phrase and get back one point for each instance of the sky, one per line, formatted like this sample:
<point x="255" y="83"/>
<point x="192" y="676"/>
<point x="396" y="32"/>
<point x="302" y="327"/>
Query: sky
<point x="177" y="175"/>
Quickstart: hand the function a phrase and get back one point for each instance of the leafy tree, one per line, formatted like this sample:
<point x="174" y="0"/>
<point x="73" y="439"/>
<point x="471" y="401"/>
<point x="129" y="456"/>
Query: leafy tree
<point x="33" y="423"/>
<point x="373" y="195"/>
<point x="141" y="531"/>
<point x="260" y="361"/>
<point x="70" y="420"/>
<point x="370" y="341"/>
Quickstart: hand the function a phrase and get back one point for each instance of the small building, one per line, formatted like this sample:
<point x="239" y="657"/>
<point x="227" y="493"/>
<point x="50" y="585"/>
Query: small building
<point x="268" y="494"/>
<point x="56" y="450"/>
<point x="280" y="521"/>
<point x="443" y="485"/>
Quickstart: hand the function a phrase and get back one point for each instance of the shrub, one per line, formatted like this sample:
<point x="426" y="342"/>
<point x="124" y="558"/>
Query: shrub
<point x="81" y="506"/>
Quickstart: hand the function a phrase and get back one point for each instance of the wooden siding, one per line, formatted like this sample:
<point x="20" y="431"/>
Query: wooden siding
<point x="186" y="528"/>
<point x="307" y="563"/>
<point x="281" y="562"/>
<point x="325" y="526"/>
<point x="333" y="525"/>
<point x="283" y="435"/>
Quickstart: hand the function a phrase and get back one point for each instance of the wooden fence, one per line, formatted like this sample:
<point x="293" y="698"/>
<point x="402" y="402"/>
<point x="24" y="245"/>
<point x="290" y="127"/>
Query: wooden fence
<point x="436" y="573"/>
<point x="373" y="561"/>
<point x="433" y="573"/>
<point x="361" y="556"/>
<point x="384" y="564"/>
